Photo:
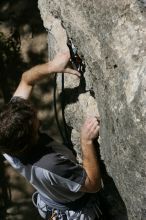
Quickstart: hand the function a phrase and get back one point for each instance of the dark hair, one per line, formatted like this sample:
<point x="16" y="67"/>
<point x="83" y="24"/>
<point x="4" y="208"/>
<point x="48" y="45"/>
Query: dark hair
<point x="16" y="126"/>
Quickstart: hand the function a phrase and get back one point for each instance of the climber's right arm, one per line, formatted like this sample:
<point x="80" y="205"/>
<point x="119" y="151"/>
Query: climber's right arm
<point x="33" y="75"/>
<point x="90" y="131"/>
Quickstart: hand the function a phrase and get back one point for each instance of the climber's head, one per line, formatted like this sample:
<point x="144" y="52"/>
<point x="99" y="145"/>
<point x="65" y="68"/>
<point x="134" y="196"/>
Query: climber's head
<point x="18" y="127"/>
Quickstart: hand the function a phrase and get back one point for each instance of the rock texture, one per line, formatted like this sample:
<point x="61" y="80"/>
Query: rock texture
<point x="112" y="37"/>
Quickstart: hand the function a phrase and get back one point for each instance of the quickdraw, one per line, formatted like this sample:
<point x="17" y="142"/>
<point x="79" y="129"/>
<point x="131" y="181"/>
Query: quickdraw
<point x="76" y="61"/>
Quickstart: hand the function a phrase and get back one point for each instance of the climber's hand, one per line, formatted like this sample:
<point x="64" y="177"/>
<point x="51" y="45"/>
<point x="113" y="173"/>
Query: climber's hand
<point x="36" y="73"/>
<point x="60" y="64"/>
<point x="90" y="129"/>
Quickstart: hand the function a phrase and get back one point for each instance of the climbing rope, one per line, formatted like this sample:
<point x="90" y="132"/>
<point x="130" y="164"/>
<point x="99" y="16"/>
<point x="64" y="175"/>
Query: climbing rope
<point x="51" y="42"/>
<point x="77" y="64"/>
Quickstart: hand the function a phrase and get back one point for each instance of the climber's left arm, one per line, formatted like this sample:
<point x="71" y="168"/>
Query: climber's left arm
<point x="33" y="75"/>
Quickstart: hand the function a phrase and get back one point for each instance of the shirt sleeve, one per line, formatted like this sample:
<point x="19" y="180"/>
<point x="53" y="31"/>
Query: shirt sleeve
<point x="15" y="163"/>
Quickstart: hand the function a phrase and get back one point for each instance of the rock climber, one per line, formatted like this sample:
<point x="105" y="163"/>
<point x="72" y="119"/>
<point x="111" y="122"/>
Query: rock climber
<point x="65" y="189"/>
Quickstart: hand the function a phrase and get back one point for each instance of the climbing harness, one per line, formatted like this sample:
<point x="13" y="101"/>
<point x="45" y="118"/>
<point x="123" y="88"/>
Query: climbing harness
<point x="60" y="211"/>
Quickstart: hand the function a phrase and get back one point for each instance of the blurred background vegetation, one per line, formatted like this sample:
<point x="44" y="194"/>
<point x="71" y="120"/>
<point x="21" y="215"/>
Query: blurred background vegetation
<point x="23" y="43"/>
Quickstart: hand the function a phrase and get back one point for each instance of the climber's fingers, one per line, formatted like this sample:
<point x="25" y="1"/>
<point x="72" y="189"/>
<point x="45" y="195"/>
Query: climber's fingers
<point x="72" y="71"/>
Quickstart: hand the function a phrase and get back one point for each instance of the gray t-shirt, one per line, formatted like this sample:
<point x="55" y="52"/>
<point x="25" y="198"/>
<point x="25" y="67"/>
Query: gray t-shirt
<point x="52" y="170"/>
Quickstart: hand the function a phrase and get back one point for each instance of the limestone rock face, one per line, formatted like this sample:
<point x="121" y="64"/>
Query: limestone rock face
<point x="112" y="37"/>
